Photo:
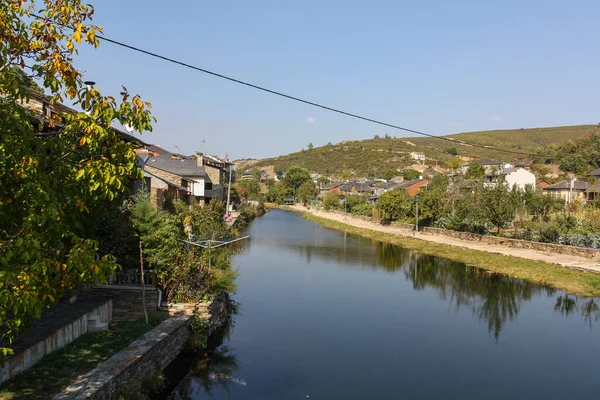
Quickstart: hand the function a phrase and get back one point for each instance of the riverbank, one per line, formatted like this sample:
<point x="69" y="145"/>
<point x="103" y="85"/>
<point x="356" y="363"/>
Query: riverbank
<point x="576" y="275"/>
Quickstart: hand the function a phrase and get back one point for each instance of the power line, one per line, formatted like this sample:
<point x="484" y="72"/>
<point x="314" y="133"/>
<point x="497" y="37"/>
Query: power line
<point x="287" y="96"/>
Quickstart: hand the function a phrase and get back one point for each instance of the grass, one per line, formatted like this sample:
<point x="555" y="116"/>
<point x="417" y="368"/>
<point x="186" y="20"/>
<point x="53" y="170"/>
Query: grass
<point x="570" y="280"/>
<point x="57" y="370"/>
<point x="374" y="156"/>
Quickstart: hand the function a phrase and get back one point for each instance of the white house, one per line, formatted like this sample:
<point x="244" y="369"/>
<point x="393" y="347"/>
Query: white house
<point x="417" y="156"/>
<point x="518" y="177"/>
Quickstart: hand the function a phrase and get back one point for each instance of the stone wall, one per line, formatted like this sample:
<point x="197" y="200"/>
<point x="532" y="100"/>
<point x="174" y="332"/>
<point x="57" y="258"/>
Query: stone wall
<point x="518" y="244"/>
<point x="60" y="338"/>
<point x="145" y="356"/>
<point x="493" y="240"/>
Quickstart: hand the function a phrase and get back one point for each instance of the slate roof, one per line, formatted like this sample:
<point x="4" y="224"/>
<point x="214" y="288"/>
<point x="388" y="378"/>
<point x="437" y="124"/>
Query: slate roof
<point x="332" y="185"/>
<point x="362" y="187"/>
<point x="565" y="185"/>
<point x="487" y="162"/>
<point x="182" y="167"/>
<point x="595" y="172"/>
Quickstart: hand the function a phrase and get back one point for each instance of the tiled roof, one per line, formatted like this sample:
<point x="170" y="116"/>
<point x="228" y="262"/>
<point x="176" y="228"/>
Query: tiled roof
<point x="565" y="185"/>
<point x="595" y="172"/>
<point x="182" y="167"/>
<point x="332" y="185"/>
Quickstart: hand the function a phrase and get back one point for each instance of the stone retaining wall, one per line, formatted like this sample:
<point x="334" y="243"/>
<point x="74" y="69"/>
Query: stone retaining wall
<point x="493" y="240"/>
<point x="145" y="356"/>
<point x="57" y="340"/>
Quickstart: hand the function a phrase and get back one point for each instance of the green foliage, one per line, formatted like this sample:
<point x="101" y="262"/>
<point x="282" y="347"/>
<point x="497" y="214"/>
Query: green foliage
<point x="248" y="190"/>
<point x="295" y="177"/>
<point x="278" y="192"/>
<point x="389" y="174"/>
<point x="364" y="156"/>
<point x="75" y="359"/>
<point x="475" y="171"/>
<point x="364" y="209"/>
<point x="307" y="192"/>
<point x="310" y="146"/>
<point x="451" y="150"/>
<point x="576" y="156"/>
<point x="256" y="174"/>
<point x="454" y="163"/>
<point x="331" y="201"/>
<point x="55" y="188"/>
<point x="395" y="205"/>
<point x="323" y="180"/>
<point x="410" y="174"/>
<point x="269" y="183"/>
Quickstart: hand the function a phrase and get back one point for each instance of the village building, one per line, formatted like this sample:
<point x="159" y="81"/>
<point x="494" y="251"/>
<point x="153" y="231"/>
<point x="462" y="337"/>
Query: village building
<point x="511" y="177"/>
<point x="176" y="177"/>
<point x="570" y="190"/>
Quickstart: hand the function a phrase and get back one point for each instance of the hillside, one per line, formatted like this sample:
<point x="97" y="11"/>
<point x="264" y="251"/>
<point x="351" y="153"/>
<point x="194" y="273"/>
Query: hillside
<point x="373" y="156"/>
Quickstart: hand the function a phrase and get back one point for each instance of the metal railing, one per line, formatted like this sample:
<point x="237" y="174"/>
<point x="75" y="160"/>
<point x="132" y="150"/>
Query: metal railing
<point x="132" y="278"/>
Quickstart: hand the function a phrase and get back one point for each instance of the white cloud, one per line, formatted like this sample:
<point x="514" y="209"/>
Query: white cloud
<point x="496" y="118"/>
<point x="311" y="120"/>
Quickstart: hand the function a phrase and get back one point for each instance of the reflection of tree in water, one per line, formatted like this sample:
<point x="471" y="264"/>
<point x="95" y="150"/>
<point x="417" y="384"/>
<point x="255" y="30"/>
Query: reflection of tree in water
<point x="569" y="305"/>
<point x="212" y="369"/>
<point x="493" y="298"/>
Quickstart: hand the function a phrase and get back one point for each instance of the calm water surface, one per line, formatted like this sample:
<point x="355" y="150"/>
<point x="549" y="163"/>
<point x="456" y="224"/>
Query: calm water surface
<point x="328" y="315"/>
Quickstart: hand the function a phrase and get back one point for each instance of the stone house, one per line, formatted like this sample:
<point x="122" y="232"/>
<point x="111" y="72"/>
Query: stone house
<point x="570" y="190"/>
<point x="176" y="177"/>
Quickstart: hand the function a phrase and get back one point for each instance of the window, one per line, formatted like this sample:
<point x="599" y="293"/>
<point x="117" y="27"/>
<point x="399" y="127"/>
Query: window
<point x="207" y="185"/>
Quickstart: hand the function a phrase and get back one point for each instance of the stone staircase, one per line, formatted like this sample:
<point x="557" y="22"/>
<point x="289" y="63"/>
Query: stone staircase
<point x="95" y="325"/>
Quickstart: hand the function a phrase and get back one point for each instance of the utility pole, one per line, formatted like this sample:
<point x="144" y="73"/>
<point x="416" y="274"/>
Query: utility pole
<point x="228" y="191"/>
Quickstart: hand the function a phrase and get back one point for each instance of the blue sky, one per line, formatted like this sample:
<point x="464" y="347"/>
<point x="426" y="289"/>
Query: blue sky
<point x="437" y="66"/>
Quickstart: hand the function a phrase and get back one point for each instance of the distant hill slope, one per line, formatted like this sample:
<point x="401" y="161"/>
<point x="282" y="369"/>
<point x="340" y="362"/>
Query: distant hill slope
<point x="374" y="156"/>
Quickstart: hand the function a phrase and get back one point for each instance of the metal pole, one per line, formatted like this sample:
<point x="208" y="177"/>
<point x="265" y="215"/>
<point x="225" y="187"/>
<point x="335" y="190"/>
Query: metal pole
<point x="228" y="192"/>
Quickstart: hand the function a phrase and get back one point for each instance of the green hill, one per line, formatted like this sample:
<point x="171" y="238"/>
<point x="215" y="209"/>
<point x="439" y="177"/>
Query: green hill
<point x="373" y="156"/>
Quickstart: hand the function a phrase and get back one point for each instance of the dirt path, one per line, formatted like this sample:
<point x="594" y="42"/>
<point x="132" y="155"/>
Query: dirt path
<point x="564" y="260"/>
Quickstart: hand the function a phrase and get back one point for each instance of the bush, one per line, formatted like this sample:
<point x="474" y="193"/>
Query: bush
<point x="331" y="201"/>
<point x="365" y="209"/>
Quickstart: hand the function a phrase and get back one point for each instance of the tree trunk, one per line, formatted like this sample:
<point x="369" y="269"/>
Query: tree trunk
<point x="143" y="284"/>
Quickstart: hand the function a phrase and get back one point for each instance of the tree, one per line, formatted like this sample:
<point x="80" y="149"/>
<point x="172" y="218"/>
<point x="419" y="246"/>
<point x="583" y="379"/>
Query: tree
<point x="52" y="183"/>
<point x="306" y="192"/>
<point x="331" y="201"/>
<point x="278" y="192"/>
<point x="310" y="146"/>
<point x="376" y="137"/>
<point x="498" y="205"/>
<point x="410" y="174"/>
<point x="269" y="183"/>
<point x="395" y="205"/>
<point x="433" y="202"/>
<point x="295" y="177"/>
<point x="454" y="163"/>
<point x="248" y="189"/>
<point x="322" y="180"/>
<point x="256" y="174"/>
<point x="451" y="150"/>
<point x="475" y="171"/>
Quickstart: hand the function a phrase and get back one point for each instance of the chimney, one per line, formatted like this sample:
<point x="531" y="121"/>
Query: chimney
<point x="199" y="159"/>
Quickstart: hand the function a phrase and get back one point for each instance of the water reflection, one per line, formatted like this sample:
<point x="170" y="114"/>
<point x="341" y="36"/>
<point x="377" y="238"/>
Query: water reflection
<point x="494" y="299"/>
<point x="214" y="369"/>
<point x="572" y="305"/>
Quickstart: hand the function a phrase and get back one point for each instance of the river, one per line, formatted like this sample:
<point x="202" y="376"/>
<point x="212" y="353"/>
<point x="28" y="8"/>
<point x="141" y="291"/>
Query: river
<point x="329" y="315"/>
